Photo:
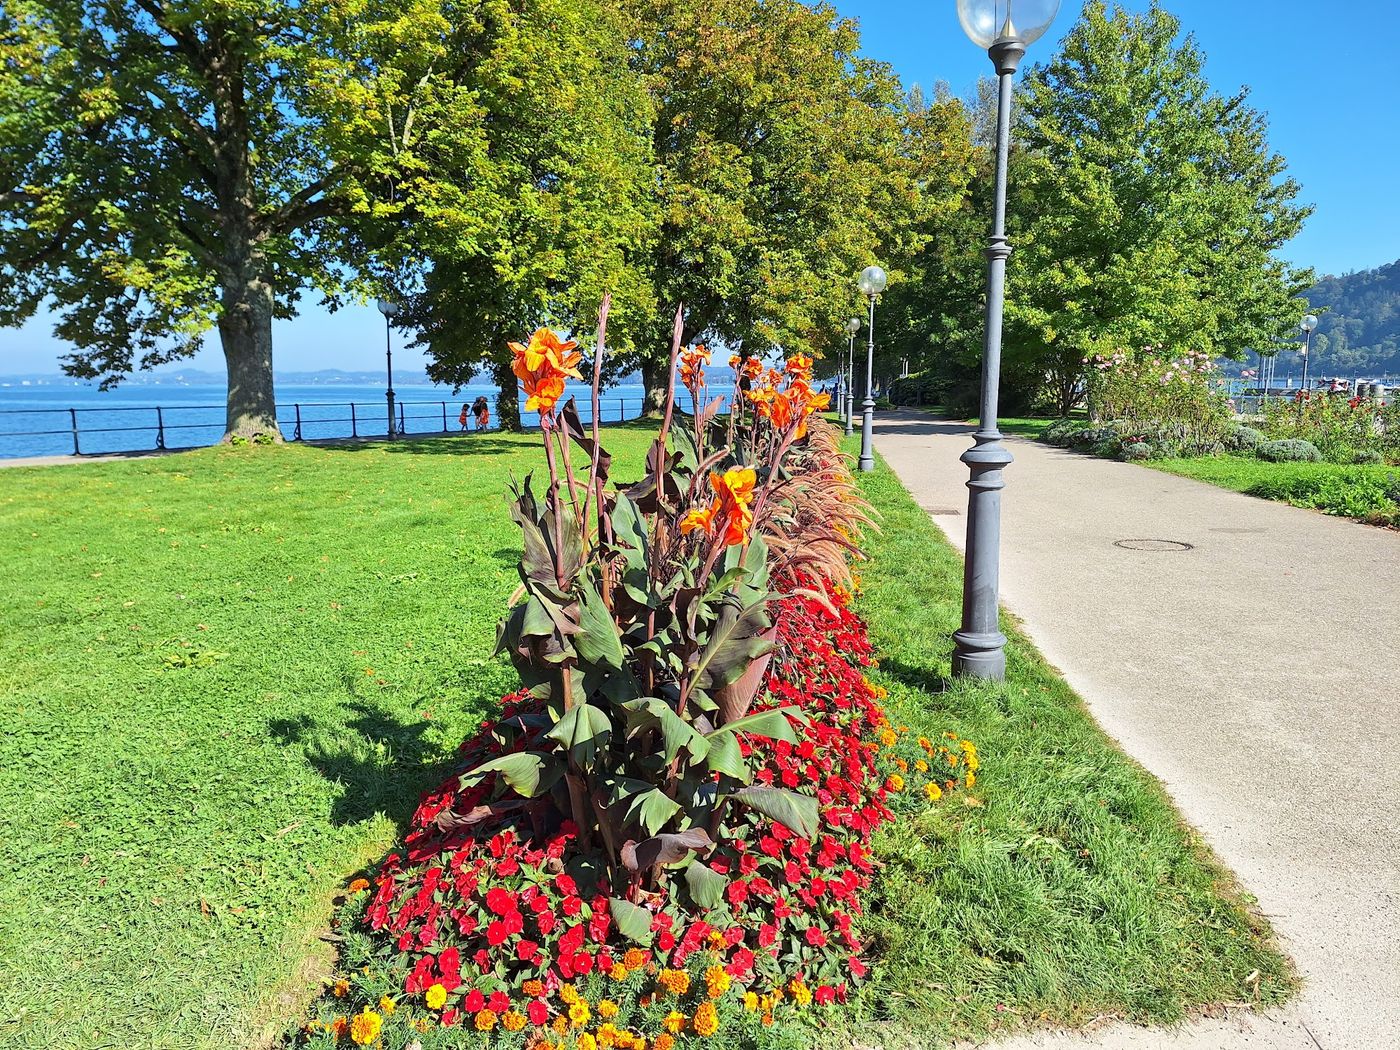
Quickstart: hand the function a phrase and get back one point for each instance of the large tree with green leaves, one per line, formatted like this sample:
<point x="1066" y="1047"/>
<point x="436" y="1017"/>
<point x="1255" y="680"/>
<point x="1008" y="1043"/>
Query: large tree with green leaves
<point x="567" y="183"/>
<point x="1150" y="209"/>
<point x="184" y="164"/>
<point x="785" y="163"/>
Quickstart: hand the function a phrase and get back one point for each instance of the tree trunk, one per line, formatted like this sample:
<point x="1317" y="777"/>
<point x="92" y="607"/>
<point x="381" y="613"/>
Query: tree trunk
<point x="508" y="400"/>
<point x="245" y="329"/>
<point x="654" y="379"/>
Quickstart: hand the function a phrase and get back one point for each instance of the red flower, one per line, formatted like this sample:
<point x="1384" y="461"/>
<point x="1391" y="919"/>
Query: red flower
<point x="572" y="906"/>
<point x="525" y="950"/>
<point x="501" y="902"/>
<point x="537" y="1012"/>
<point x="496" y="934"/>
<point x="566" y="885"/>
<point x="499" y="1003"/>
<point x="815" y="937"/>
<point x="475" y="1002"/>
<point x="858" y="968"/>
<point x="767" y="935"/>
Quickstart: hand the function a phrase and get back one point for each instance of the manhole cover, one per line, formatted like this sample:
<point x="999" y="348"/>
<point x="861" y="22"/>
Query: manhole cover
<point x="1153" y="545"/>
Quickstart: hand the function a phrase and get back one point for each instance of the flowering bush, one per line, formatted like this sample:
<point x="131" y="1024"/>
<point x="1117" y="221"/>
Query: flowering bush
<point x="664" y="833"/>
<point x="1338" y="426"/>
<point x="1176" y="403"/>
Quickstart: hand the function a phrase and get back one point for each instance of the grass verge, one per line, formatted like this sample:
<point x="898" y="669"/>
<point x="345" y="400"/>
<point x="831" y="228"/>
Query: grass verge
<point x="1368" y="492"/>
<point x="1069" y="889"/>
<point x="231" y="672"/>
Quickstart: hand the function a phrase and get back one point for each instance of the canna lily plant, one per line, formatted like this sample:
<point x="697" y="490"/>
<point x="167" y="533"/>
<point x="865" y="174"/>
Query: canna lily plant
<point x="642" y="622"/>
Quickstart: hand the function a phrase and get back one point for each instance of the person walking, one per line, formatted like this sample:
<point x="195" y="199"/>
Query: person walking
<point x="481" y="408"/>
<point x="462" y="419"/>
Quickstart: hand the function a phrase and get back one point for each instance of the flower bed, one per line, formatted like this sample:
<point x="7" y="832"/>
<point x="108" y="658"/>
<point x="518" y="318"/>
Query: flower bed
<point x="664" y="834"/>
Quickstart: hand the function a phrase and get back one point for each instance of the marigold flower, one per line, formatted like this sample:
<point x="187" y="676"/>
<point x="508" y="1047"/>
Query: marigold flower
<point x="706" y="1020"/>
<point x="579" y="1013"/>
<point x="586" y="1042"/>
<point x="674" y="1022"/>
<point x="921" y="766"/>
<point x="664" y="1041"/>
<point x="341" y="988"/>
<point x="618" y="972"/>
<point x="607" y="1008"/>
<point x="560" y="1024"/>
<point x="971" y="780"/>
<point x="485" y="1020"/>
<point x="435" y="997"/>
<point x="533" y="988"/>
<point x="933" y="791"/>
<point x="512" y="1021"/>
<point x="800" y="991"/>
<point x="895" y="783"/>
<point x="751" y="1001"/>
<point x="926" y="743"/>
<point x="422" y="1024"/>
<point x="340" y="1027"/>
<point x="901" y="765"/>
<point x="716" y="981"/>
<point x="634" y="958"/>
<point x="542" y="367"/>
<point x="387" y="1006"/>
<point x="677" y="982"/>
<point x="569" y="994"/>
<point x="358" y="885"/>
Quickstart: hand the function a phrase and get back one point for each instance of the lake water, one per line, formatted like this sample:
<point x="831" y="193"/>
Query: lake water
<point x="38" y="420"/>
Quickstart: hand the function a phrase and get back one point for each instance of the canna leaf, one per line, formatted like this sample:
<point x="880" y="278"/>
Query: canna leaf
<point x="583" y="730"/>
<point x="527" y="773"/>
<point x="706" y="885"/>
<point x="797" y="813"/>
<point x="633" y="921"/>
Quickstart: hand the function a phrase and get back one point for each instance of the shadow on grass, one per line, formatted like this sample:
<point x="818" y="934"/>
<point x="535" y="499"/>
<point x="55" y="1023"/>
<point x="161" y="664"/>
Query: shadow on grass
<point x="382" y="762"/>
<point x="438" y="445"/>
<point x="929" y="679"/>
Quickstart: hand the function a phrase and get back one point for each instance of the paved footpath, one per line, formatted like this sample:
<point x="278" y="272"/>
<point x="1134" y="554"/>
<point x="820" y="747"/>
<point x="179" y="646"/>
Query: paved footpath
<point x="1256" y="674"/>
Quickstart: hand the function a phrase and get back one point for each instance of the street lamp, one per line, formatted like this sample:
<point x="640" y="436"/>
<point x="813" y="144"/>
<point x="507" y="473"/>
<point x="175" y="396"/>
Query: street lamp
<point x="1005" y="28"/>
<point x="872" y="283"/>
<point x="852" y="329"/>
<point x="390" y="310"/>
<point x="1309" y="323"/>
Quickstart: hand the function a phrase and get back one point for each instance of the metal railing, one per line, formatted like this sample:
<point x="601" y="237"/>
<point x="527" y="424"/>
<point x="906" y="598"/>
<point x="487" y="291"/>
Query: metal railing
<point x="55" y="428"/>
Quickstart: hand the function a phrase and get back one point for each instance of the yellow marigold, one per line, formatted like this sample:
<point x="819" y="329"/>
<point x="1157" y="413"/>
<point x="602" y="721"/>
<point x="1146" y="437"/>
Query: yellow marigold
<point x="972" y="780"/>
<point x="561" y="1024"/>
<point x="751" y="1001"/>
<point x="921" y="766"/>
<point x="534" y="989"/>
<point x="618" y="972"/>
<point x="607" y="1036"/>
<point x="435" y="997"/>
<point x="933" y="791"/>
<point x="485" y="1020"/>
<point x="716" y="981"/>
<point x="800" y="992"/>
<point x="706" y="1020"/>
<point x="586" y="1042"/>
<point x="359" y="884"/>
<point x="634" y="958"/>
<point x="715" y="940"/>
<point x="663" y="1042"/>
<point x="677" y="982"/>
<point x="341" y="988"/>
<point x="888" y="737"/>
<point x="896" y="782"/>
<point x="422" y="1024"/>
<point x="674" y="1022"/>
<point x="512" y="1021"/>
<point x="579" y="1013"/>
<point x="607" y="1008"/>
<point x="366" y="1026"/>
<point x="569" y="994"/>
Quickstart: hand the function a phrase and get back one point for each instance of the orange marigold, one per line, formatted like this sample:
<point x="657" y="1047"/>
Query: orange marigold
<point x="512" y="1021"/>
<point x="706" y="1020"/>
<point x="677" y="982"/>
<point x="664" y="1041"/>
<point x="634" y="958"/>
<point x="485" y="1020"/>
<point x="359" y="884"/>
<point x="533" y="988"/>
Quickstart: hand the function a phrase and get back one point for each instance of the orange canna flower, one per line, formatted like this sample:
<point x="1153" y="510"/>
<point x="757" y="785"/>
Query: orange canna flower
<point x="799" y="366"/>
<point x="730" y="510"/>
<point x="542" y="367"/>
<point x="692" y="366"/>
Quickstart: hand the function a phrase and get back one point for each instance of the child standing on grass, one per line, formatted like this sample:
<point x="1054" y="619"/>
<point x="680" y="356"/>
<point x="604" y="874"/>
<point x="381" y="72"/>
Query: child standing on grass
<point x="483" y="413"/>
<point x="462" y="419"/>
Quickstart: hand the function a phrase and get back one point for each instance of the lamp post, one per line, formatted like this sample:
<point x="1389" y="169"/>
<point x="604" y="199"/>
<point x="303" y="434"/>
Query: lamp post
<point x="1005" y="28"/>
<point x="872" y="283"/>
<point x="1309" y="323"/>
<point x="389" y="308"/>
<point x="852" y="329"/>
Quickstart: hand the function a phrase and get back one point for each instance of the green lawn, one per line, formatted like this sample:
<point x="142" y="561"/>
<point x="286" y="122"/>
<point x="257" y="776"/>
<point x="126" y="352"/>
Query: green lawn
<point x="1350" y="490"/>
<point x="230" y="673"/>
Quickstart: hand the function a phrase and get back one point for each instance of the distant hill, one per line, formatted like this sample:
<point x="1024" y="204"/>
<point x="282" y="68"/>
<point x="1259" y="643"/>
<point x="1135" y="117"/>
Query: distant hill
<point x="1359" y="314"/>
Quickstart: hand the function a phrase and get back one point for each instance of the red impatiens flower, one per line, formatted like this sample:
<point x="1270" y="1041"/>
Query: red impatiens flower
<point x="501" y="902"/>
<point x="537" y="1012"/>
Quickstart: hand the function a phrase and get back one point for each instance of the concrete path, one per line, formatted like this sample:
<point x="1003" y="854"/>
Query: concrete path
<point x="1256" y="674"/>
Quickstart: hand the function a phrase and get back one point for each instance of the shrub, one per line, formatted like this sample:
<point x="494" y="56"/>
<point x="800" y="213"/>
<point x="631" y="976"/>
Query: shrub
<point x="1351" y="495"/>
<point x="1338" y="426"/>
<point x="1367" y="455"/>
<point x="1137" y="450"/>
<point x="1147" y="390"/>
<point x="1289" y="450"/>
<point x="1108" y="449"/>
<point x="1241" y="438"/>
<point x="1060" y="432"/>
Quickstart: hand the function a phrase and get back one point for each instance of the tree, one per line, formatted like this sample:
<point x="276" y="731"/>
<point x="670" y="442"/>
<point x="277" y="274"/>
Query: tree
<point x="564" y="176"/>
<point x="785" y="164"/>
<point x="200" y="163"/>
<point x="1149" y="208"/>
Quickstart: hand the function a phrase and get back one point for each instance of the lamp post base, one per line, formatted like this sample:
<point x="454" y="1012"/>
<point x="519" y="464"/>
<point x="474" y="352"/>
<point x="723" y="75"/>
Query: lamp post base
<point x="850" y="414"/>
<point x="867" y="435"/>
<point x="389" y="397"/>
<point x="979" y="647"/>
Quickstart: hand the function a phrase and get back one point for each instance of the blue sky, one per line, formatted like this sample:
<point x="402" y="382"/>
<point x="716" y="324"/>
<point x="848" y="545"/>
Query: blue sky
<point x="1331" y="87"/>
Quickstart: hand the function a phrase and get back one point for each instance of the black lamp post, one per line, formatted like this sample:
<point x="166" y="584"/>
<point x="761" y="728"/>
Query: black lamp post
<point x="872" y="283"/>
<point x="390" y="310"/>
<point x="1005" y="28"/>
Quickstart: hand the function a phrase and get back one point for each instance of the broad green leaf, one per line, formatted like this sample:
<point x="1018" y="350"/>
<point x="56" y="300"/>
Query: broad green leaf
<point x="597" y="640"/>
<point x="798" y="813"/>
<point x="583" y="730"/>
<point x="725" y="757"/>
<point x="651" y="809"/>
<point x="528" y="773"/>
<point x="706" y="885"/>
<point x="633" y="921"/>
<point x="736" y="639"/>
<point x="772" y="723"/>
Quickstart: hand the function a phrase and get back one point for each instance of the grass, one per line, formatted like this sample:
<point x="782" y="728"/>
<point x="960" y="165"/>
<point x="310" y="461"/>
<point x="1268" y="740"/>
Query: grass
<point x="1364" y="491"/>
<point x="230" y="673"/>
<point x="1073" y="890"/>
